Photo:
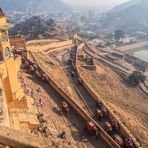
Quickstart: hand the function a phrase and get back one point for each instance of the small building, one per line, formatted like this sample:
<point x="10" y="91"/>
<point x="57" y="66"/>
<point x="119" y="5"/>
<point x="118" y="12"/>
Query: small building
<point x="141" y="35"/>
<point x="128" y="40"/>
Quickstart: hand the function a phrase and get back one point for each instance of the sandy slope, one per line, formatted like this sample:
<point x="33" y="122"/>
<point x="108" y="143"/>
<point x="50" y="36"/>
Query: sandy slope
<point x="129" y="103"/>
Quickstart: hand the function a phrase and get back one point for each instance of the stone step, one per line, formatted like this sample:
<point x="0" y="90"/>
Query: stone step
<point x="33" y="120"/>
<point x="15" y="120"/>
<point x="23" y="116"/>
<point x="30" y="105"/>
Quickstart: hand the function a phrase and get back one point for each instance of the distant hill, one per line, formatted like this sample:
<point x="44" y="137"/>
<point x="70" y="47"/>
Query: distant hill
<point x="36" y="27"/>
<point x="130" y="16"/>
<point x="124" y="6"/>
<point x="35" y="5"/>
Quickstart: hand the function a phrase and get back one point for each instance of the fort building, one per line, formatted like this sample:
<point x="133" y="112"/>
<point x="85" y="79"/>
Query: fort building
<point x="16" y="110"/>
<point x="18" y="42"/>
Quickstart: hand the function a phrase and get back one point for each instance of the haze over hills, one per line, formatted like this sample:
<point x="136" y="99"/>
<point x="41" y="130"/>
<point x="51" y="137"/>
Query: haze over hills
<point x="124" y="5"/>
<point x="35" y="5"/>
<point x="20" y="5"/>
<point x="98" y="5"/>
<point x="130" y="16"/>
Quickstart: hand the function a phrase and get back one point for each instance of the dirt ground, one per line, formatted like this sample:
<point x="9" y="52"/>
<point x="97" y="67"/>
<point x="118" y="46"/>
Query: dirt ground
<point x="75" y="134"/>
<point x="51" y="105"/>
<point x="72" y="124"/>
<point x="133" y="46"/>
<point x="57" y="73"/>
<point x="130" y="105"/>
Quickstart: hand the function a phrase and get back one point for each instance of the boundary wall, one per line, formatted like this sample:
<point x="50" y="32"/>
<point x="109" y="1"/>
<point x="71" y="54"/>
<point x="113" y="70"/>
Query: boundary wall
<point x="76" y="107"/>
<point x="53" y="45"/>
<point x="123" y="130"/>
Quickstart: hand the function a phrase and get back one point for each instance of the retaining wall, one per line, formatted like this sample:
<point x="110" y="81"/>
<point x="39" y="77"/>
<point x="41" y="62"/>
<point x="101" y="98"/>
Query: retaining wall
<point x="76" y="107"/>
<point x="61" y="44"/>
<point x="123" y="130"/>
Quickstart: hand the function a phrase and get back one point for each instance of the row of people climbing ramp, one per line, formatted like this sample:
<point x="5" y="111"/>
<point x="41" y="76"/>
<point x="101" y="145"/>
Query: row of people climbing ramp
<point x="32" y="67"/>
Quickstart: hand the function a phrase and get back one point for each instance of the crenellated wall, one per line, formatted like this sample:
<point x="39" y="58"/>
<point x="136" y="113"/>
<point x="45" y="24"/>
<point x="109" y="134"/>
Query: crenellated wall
<point x="18" y="42"/>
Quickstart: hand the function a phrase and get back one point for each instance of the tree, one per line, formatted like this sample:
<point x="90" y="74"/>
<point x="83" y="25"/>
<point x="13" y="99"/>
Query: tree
<point x="51" y="22"/>
<point x="119" y="34"/>
<point x="135" y="78"/>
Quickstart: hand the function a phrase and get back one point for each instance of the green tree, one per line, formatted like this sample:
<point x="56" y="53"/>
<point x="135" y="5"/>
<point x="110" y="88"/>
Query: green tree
<point x="135" y="78"/>
<point x="119" y="34"/>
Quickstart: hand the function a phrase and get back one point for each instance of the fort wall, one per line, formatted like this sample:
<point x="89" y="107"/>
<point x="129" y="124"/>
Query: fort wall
<point x="38" y="47"/>
<point x="61" y="44"/>
<point x="18" y="42"/>
<point x="124" y="131"/>
<point x="80" y="110"/>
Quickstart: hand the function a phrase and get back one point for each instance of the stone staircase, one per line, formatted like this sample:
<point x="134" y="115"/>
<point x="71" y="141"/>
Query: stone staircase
<point x="23" y="114"/>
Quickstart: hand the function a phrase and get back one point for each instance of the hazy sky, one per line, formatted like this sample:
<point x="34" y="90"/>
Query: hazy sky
<point x="104" y="4"/>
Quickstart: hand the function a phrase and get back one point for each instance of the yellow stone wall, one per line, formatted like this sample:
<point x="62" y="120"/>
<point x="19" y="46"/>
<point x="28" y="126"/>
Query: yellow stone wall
<point x="21" y="114"/>
<point x="8" y="66"/>
<point x="8" y="75"/>
<point x="14" y="84"/>
<point x="7" y="89"/>
<point x="3" y="70"/>
<point x="49" y="46"/>
<point x="18" y="63"/>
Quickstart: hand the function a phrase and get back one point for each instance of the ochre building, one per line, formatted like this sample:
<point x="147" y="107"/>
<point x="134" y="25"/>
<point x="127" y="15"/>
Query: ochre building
<point x="16" y="109"/>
